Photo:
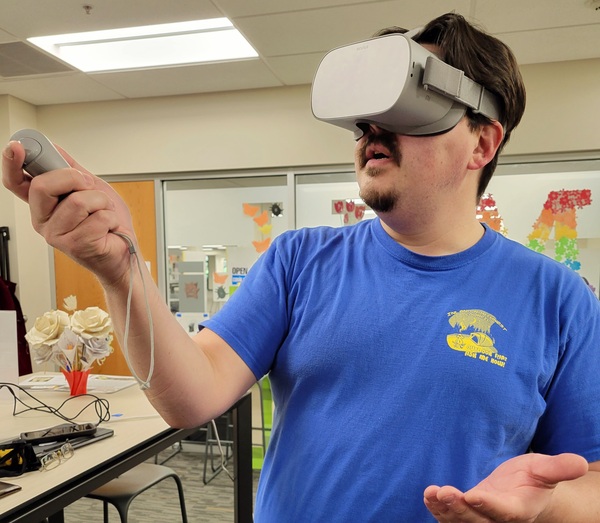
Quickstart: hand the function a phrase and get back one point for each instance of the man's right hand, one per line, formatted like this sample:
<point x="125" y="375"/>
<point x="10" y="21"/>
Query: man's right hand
<point x="80" y="223"/>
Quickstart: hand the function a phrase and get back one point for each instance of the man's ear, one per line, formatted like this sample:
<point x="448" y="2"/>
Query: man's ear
<point x="490" y="138"/>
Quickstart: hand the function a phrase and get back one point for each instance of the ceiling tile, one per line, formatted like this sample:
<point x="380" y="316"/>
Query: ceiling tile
<point x="249" y="74"/>
<point x="26" y="18"/>
<point x="240" y="8"/>
<point x="322" y="29"/>
<point x="550" y="44"/>
<point x="510" y="16"/>
<point x="69" y="88"/>
<point x="296" y="69"/>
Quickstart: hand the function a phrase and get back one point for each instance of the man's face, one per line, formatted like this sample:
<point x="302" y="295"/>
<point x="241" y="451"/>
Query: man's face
<point x="407" y="173"/>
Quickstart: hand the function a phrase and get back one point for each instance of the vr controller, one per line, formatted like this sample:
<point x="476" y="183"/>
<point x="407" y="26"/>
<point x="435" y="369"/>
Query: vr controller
<point x="393" y="82"/>
<point x="40" y="155"/>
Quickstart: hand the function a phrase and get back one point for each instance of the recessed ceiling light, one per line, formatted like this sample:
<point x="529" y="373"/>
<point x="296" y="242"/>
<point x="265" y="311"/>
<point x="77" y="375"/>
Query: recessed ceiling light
<point x="149" y="46"/>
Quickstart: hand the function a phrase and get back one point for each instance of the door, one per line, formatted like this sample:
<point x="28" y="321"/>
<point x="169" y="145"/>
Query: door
<point x="72" y="279"/>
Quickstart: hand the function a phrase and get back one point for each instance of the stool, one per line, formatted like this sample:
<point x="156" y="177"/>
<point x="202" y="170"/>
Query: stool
<point x="224" y="443"/>
<point x="121" y="491"/>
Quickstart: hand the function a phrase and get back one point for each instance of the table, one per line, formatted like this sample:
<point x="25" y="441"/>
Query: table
<point x="138" y="435"/>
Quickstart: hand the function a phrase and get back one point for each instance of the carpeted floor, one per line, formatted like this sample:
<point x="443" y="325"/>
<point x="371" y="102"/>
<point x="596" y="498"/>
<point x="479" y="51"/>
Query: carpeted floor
<point x="212" y="503"/>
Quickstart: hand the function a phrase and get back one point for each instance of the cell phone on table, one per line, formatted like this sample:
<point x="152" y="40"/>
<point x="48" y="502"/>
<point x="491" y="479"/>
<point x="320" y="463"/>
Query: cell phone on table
<point x="59" y="432"/>
<point x="7" y="488"/>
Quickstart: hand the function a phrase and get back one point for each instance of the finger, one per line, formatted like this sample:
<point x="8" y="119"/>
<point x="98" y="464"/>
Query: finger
<point x="563" y="467"/>
<point x="92" y="236"/>
<point x="46" y="190"/>
<point x="447" y="504"/>
<point x="433" y="504"/>
<point x="69" y="215"/>
<point x="13" y="176"/>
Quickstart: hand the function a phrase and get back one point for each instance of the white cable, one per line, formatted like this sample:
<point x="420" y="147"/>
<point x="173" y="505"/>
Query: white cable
<point x="144" y="384"/>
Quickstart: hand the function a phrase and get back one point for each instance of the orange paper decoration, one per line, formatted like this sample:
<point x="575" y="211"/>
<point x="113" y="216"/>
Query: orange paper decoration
<point x="262" y="219"/>
<point x="250" y="210"/>
<point x="219" y="278"/>
<point x="262" y="246"/>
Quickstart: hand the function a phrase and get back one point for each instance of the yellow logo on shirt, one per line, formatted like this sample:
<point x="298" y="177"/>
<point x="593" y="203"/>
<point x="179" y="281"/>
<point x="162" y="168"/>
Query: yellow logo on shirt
<point x="478" y="343"/>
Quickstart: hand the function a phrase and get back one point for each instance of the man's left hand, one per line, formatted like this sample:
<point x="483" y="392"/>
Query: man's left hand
<point x="519" y="490"/>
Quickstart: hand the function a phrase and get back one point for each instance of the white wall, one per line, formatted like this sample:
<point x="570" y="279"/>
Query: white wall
<point x="30" y="256"/>
<point x="256" y="129"/>
<point x="563" y="109"/>
<point x="235" y="130"/>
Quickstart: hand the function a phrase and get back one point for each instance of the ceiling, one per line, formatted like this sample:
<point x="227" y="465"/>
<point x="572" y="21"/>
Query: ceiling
<point x="290" y="36"/>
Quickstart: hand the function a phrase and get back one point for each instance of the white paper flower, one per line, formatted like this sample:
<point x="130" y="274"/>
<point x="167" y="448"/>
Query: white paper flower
<point x="97" y="348"/>
<point x="70" y="303"/>
<point x="67" y="349"/>
<point x="43" y="353"/>
<point x="92" y="322"/>
<point x="74" y="341"/>
<point x="48" y="328"/>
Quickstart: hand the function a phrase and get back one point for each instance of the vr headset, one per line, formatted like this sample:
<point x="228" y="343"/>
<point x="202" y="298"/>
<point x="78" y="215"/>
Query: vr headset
<point x="393" y="82"/>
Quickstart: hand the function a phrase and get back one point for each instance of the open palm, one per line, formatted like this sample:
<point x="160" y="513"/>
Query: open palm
<point x="520" y="490"/>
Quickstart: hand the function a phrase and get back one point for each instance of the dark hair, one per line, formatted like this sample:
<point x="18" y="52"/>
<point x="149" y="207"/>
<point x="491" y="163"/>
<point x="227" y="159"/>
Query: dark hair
<point x="486" y="60"/>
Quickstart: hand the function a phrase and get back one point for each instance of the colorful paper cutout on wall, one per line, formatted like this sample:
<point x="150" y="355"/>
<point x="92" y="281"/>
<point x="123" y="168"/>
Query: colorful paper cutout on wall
<point x="487" y="212"/>
<point x="262" y="218"/>
<point x="261" y="215"/>
<point x="560" y="213"/>
<point x="220" y="290"/>
<point x="220" y="277"/>
<point x="351" y="211"/>
<point x="250" y="210"/>
<point x="263" y="245"/>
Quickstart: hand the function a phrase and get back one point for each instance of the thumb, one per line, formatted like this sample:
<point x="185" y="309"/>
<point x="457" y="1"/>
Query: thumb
<point x="562" y="467"/>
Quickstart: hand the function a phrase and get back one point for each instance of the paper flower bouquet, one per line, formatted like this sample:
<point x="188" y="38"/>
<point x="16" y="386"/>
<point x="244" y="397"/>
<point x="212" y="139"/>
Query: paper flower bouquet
<point x="74" y="340"/>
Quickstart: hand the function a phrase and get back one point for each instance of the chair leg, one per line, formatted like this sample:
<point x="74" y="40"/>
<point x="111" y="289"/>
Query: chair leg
<point x="123" y="511"/>
<point x="181" y="498"/>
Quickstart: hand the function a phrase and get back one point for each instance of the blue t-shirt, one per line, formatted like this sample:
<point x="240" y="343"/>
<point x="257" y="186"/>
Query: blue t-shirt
<point x="392" y="371"/>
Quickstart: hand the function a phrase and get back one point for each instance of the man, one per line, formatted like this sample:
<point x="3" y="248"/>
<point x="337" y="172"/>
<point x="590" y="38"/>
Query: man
<point x="413" y="350"/>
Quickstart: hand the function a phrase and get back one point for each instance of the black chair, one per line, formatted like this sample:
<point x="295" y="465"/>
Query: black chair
<point x="121" y="491"/>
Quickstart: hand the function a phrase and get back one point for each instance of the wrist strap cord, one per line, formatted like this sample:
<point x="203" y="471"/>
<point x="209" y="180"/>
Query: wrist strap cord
<point x="144" y="384"/>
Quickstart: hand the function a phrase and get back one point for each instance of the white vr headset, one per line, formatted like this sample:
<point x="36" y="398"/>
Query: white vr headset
<point x="393" y="82"/>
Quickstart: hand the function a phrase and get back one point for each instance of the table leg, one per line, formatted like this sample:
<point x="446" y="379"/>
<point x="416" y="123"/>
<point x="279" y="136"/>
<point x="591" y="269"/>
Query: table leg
<point x="242" y="459"/>
<point x="58" y="517"/>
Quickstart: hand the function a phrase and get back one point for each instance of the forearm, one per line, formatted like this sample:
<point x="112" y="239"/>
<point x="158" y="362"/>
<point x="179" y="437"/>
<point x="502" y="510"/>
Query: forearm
<point x="185" y="386"/>
<point x="575" y="501"/>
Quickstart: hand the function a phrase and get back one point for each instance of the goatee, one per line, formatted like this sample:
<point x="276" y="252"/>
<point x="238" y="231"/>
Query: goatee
<point x="380" y="202"/>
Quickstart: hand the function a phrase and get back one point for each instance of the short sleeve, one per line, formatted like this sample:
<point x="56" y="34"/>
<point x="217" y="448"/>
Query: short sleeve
<point x="255" y="320"/>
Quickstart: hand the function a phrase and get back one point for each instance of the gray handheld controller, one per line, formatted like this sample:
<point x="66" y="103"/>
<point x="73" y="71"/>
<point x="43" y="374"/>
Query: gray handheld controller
<point x="40" y="155"/>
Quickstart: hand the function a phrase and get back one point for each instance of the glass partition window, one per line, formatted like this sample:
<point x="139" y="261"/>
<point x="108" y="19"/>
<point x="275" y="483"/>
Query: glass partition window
<point x="215" y="229"/>
<point x="329" y="199"/>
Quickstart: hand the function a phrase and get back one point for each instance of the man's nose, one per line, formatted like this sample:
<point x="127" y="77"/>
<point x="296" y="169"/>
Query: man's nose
<point x="366" y="129"/>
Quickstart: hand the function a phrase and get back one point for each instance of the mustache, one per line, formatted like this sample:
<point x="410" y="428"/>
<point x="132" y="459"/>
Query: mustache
<point x="384" y="139"/>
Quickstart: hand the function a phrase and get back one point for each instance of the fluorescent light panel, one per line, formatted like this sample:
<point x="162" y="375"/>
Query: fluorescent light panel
<point x="149" y="46"/>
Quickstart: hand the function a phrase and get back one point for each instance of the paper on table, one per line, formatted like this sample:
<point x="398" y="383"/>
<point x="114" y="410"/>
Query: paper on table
<point x="96" y="383"/>
<point x="9" y="359"/>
